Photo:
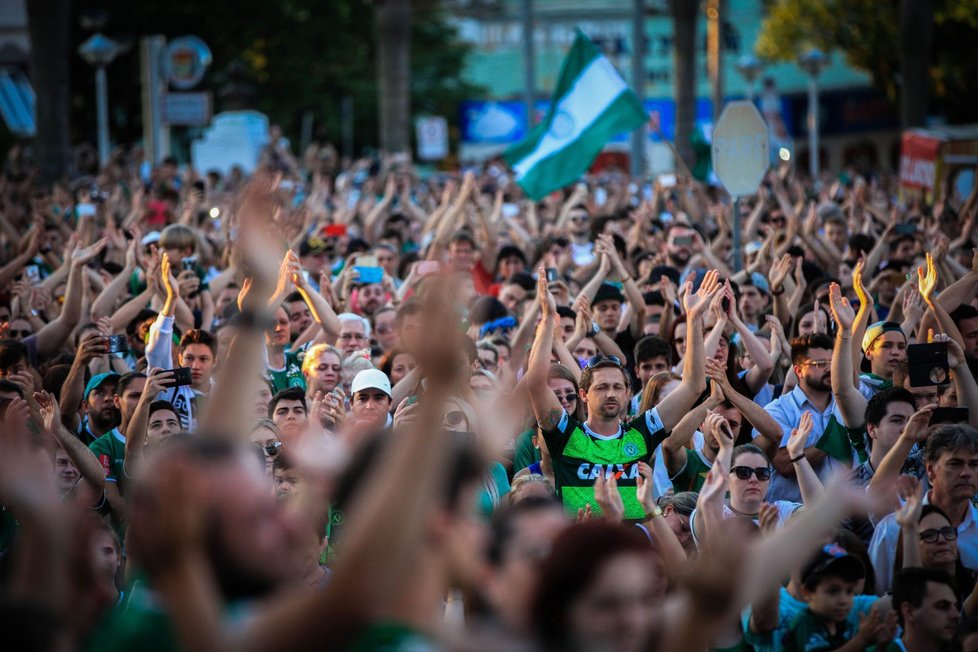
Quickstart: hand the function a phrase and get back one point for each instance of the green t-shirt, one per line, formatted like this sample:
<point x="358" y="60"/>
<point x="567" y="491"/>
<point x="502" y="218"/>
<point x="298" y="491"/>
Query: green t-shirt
<point x="807" y="633"/>
<point x="393" y="637"/>
<point x="580" y="455"/>
<point x="526" y="453"/>
<point x="692" y="476"/>
<point x="291" y="375"/>
<point x="141" y="624"/>
<point x="110" y="449"/>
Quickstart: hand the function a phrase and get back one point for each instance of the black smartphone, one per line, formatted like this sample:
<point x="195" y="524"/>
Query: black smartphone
<point x="928" y="364"/>
<point x="907" y="228"/>
<point x="552" y="275"/>
<point x="189" y="263"/>
<point x="948" y="415"/>
<point x="118" y="343"/>
<point x="181" y="377"/>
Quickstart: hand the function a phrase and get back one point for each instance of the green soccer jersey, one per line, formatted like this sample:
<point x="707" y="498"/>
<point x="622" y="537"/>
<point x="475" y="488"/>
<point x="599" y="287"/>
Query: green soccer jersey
<point x="110" y="449"/>
<point x="580" y="455"/>
<point x="290" y="375"/>
<point x="692" y="476"/>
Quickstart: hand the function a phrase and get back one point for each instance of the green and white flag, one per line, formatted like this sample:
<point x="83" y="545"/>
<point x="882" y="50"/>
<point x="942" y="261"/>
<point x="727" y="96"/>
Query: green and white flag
<point x="590" y="104"/>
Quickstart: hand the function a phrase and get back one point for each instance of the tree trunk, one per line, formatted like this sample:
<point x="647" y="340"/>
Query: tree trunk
<point x="48" y="25"/>
<point x="394" y="73"/>
<point x="917" y="37"/>
<point x="684" y="14"/>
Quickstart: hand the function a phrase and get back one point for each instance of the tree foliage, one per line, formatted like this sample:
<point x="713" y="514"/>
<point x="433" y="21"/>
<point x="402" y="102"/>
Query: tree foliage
<point x="299" y="55"/>
<point x="868" y="34"/>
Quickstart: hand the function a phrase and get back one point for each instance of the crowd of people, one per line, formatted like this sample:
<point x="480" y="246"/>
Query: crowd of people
<point x="343" y="405"/>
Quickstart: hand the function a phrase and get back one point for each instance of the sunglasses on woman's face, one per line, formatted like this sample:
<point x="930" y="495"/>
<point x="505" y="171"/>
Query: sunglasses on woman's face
<point x="930" y="535"/>
<point x="568" y="397"/>
<point x="763" y="473"/>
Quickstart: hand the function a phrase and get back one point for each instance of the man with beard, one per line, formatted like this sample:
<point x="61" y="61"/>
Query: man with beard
<point x="679" y="245"/>
<point x="811" y="357"/>
<point x="603" y="446"/>
<point x="110" y="448"/>
<point x="579" y="227"/>
<point x="101" y="414"/>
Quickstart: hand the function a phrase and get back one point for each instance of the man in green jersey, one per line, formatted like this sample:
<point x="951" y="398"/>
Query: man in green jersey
<point x="604" y="445"/>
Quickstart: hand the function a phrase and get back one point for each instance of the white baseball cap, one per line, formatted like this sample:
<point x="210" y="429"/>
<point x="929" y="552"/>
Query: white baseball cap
<point x="371" y="379"/>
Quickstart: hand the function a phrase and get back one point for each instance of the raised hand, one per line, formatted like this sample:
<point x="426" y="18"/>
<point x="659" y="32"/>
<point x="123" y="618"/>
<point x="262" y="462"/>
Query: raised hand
<point x="857" y="283"/>
<point x="718" y="374"/>
<point x="84" y="255"/>
<point x="170" y="285"/>
<point x="927" y="280"/>
<point x="916" y="426"/>
<point x="697" y="303"/>
<point x="955" y="354"/>
<point x="909" y="513"/>
<point x="842" y="312"/>
<point x="548" y="305"/>
<point x="779" y="270"/>
<point x="799" y="436"/>
<point x="721" y="430"/>
<point x="584" y="321"/>
<point x="644" y="487"/>
<point x="608" y="497"/>
<point x="50" y="411"/>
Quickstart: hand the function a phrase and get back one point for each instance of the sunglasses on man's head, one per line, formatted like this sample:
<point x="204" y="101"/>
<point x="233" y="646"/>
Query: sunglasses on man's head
<point x="930" y="535"/>
<point x="763" y="473"/>
<point x="598" y="359"/>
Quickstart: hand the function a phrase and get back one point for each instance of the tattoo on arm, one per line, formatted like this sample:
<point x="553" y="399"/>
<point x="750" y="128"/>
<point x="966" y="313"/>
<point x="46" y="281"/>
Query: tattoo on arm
<point x="552" y="418"/>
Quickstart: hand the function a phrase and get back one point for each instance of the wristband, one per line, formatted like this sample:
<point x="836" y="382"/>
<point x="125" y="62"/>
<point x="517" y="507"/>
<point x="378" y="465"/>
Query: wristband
<point x="258" y="320"/>
<point x="653" y="514"/>
<point x="795" y="460"/>
<point x="778" y="293"/>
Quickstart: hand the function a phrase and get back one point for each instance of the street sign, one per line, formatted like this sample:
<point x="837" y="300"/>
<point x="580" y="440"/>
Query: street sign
<point x="187" y="109"/>
<point x="432" y="134"/>
<point x="740" y="148"/>
<point x="186" y="61"/>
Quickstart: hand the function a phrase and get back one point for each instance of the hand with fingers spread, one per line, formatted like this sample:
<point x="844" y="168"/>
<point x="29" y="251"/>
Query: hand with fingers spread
<point x="696" y="304"/>
<point x="608" y="498"/>
<point x="908" y="516"/>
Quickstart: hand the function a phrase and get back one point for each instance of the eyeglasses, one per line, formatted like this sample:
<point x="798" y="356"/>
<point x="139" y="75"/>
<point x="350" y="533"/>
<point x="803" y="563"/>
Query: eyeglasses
<point x="271" y="449"/>
<point x="763" y="473"/>
<point x="568" y="397"/>
<point x="598" y="359"/>
<point x="818" y="364"/>
<point x="580" y="218"/>
<point x="930" y="535"/>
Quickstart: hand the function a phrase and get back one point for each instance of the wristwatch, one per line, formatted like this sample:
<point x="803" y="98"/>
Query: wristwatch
<point x="595" y="329"/>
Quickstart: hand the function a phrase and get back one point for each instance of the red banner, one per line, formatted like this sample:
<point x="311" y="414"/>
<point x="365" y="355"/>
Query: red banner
<point x="918" y="161"/>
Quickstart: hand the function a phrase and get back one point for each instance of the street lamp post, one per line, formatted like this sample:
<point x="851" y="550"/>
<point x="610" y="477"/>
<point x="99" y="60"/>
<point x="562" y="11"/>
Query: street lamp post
<point x="99" y="51"/>
<point x="749" y="68"/>
<point x="812" y="62"/>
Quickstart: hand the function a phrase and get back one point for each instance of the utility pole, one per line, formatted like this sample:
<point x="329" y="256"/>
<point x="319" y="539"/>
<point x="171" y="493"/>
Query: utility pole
<point x="529" y="62"/>
<point x="638" y="85"/>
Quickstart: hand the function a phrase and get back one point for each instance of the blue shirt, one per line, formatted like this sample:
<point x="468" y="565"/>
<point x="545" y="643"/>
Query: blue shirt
<point x="787" y="410"/>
